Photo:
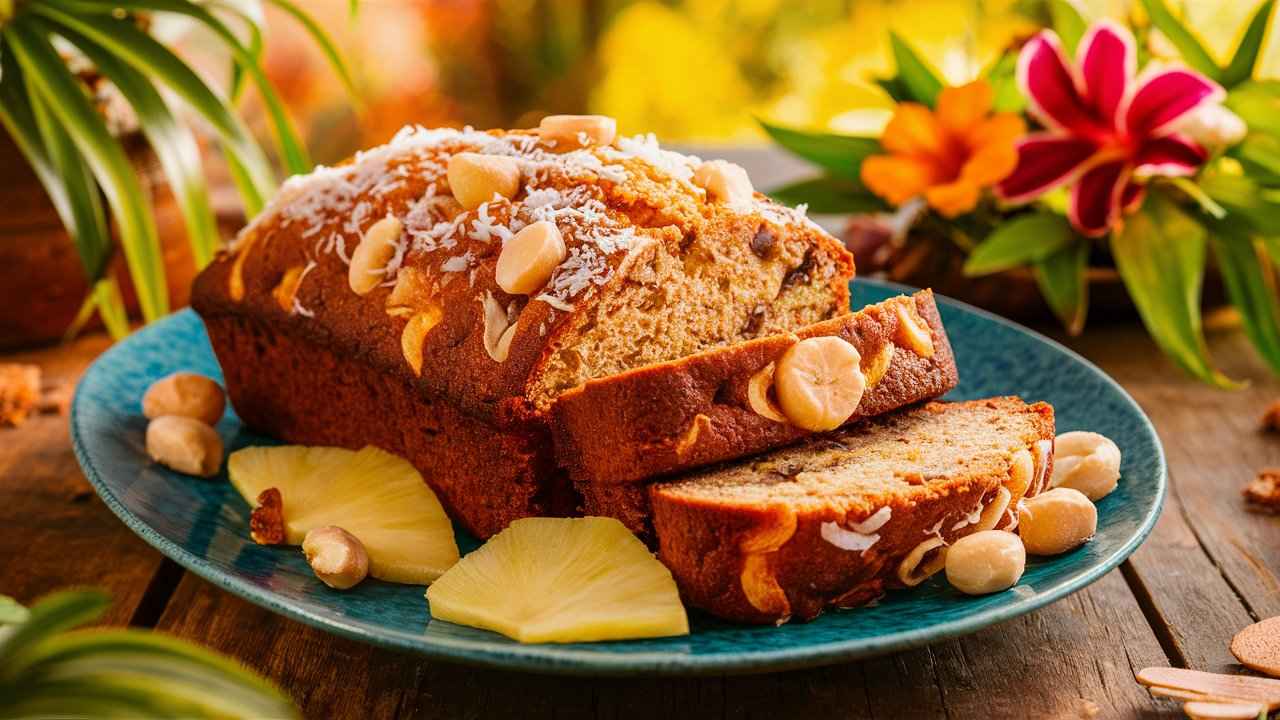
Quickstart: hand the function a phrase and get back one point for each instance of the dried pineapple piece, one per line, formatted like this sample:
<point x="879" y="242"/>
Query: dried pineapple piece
<point x="376" y="496"/>
<point x="562" y="580"/>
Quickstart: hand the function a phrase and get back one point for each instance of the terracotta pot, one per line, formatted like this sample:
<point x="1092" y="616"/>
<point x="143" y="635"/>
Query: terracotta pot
<point x="935" y="262"/>
<point x="42" y="283"/>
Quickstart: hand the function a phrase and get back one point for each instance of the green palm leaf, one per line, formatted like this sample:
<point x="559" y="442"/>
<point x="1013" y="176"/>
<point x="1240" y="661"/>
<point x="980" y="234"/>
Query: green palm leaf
<point x="56" y="613"/>
<point x="840" y="155"/>
<point x="920" y="80"/>
<point x="1193" y="53"/>
<point x="291" y="149"/>
<point x="66" y="99"/>
<point x="1061" y="277"/>
<point x="1245" y="59"/>
<point x="172" y="142"/>
<point x="249" y="167"/>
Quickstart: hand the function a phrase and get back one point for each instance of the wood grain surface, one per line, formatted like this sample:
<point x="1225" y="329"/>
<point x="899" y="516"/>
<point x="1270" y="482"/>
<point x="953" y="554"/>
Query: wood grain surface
<point x="1210" y="568"/>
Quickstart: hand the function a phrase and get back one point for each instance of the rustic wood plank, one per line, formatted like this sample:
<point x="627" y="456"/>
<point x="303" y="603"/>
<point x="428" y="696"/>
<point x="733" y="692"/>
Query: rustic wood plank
<point x="56" y="532"/>
<point x="1211" y="566"/>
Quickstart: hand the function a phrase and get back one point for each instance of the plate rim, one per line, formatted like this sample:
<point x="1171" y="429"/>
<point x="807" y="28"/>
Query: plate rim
<point x="569" y="660"/>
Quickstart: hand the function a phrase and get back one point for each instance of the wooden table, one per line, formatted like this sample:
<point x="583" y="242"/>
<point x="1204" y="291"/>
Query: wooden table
<point x="1209" y="569"/>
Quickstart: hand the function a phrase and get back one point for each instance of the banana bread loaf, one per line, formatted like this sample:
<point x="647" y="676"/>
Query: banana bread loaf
<point x="405" y="298"/>
<point x="839" y="518"/>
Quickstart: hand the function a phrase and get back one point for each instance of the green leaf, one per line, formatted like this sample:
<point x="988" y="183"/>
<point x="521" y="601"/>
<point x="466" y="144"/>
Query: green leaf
<point x="921" y="81"/>
<point x="1241" y="196"/>
<point x="1160" y="253"/>
<point x="1061" y="277"/>
<point x="11" y="612"/>
<point x="291" y="148"/>
<point x="170" y="671"/>
<point x="893" y="87"/>
<point x="1003" y="78"/>
<point x="840" y="155"/>
<point x="1193" y="53"/>
<point x="110" y="302"/>
<point x="1023" y="240"/>
<point x="66" y="99"/>
<point x="171" y="141"/>
<point x="1245" y="59"/>
<point x="249" y="166"/>
<point x="1259" y="154"/>
<point x="1250" y="284"/>
<point x="1068" y="23"/>
<point x="1257" y="102"/>
<point x="829" y="195"/>
<point x="54" y="614"/>
<point x="58" y="165"/>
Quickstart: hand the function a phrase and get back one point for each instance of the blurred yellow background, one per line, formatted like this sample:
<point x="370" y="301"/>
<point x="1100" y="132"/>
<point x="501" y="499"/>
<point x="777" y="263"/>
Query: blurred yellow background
<point x="690" y="70"/>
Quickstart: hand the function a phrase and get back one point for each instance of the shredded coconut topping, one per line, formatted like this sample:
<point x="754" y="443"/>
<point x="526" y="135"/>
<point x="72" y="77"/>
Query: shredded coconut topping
<point x="861" y="536"/>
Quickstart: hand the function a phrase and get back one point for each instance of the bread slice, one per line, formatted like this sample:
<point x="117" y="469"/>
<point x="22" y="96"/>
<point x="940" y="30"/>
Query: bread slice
<point x="673" y="416"/>
<point x="834" y="520"/>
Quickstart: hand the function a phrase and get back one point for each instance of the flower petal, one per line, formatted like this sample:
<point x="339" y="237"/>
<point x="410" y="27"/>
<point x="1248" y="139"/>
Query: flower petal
<point x="1132" y="197"/>
<point x="1045" y="161"/>
<point x="913" y="130"/>
<point x="897" y="178"/>
<point x="1171" y="155"/>
<point x="961" y="108"/>
<point x="1166" y="95"/>
<point x="1046" y="79"/>
<point x="990" y="164"/>
<point x="954" y="198"/>
<point x="1095" y="199"/>
<point x="1108" y="61"/>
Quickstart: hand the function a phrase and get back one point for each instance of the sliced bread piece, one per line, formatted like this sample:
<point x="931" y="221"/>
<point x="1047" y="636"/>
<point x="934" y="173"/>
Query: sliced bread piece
<point x="840" y="517"/>
<point x="719" y="405"/>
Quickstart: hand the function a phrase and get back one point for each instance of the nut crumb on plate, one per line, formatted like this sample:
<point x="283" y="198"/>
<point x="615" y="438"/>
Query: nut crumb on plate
<point x="266" y="524"/>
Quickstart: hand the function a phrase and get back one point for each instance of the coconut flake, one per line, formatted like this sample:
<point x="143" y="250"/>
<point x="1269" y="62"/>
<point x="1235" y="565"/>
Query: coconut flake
<point x="860" y="536"/>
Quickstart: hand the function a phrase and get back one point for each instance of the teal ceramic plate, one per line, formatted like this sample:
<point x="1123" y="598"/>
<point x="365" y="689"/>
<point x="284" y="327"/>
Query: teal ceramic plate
<point x="204" y="525"/>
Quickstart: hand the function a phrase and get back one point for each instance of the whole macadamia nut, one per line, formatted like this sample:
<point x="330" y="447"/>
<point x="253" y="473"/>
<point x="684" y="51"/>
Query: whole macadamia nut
<point x="185" y="445"/>
<point x="1056" y="521"/>
<point x="1087" y="462"/>
<point x="187" y="395"/>
<point x="986" y="562"/>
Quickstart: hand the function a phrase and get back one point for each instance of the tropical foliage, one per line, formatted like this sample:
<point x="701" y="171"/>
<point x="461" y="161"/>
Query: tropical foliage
<point x="50" y="669"/>
<point x="48" y="110"/>
<point x="1143" y="152"/>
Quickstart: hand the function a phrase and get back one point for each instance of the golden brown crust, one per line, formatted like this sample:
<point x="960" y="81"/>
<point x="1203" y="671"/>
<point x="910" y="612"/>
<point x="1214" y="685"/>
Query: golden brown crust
<point x="701" y="538"/>
<point x="614" y="204"/>
<point x="642" y="423"/>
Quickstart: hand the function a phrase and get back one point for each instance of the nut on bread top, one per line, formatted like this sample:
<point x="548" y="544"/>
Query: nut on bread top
<point x="379" y="257"/>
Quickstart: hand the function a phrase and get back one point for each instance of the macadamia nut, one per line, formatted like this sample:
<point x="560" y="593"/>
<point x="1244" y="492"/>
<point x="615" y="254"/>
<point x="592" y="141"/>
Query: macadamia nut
<point x="986" y="562"/>
<point x="187" y="395"/>
<point x="759" y="388"/>
<point x="1087" y="462"/>
<point x="913" y="332"/>
<point x="529" y="257"/>
<point x="724" y="181"/>
<point x="475" y="178"/>
<point x="370" y="258"/>
<point x="819" y="383"/>
<point x="1056" y="521"/>
<point x="577" y="131"/>
<point x="336" y="556"/>
<point x="185" y="445"/>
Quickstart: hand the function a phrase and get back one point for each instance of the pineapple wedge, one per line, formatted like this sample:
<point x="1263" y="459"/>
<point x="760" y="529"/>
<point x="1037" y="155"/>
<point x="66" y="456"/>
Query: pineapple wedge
<point x="376" y="496"/>
<point x="562" y="580"/>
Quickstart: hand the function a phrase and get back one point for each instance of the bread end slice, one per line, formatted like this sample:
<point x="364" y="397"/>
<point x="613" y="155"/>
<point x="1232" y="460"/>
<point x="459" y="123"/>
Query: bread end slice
<point x="842" y="517"/>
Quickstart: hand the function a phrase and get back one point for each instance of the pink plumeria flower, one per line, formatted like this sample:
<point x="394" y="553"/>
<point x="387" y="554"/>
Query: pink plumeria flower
<point x="1107" y="130"/>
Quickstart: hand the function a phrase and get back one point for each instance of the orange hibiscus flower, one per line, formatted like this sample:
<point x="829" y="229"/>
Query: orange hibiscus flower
<point x="947" y="155"/>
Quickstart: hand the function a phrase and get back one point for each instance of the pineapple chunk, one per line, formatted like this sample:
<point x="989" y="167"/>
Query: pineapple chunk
<point x="562" y="580"/>
<point x="376" y="496"/>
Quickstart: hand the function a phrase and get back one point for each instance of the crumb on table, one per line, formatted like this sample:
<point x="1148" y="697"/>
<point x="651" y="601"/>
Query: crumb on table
<point x="1263" y="492"/>
<point x="1271" y="417"/>
<point x="19" y="392"/>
